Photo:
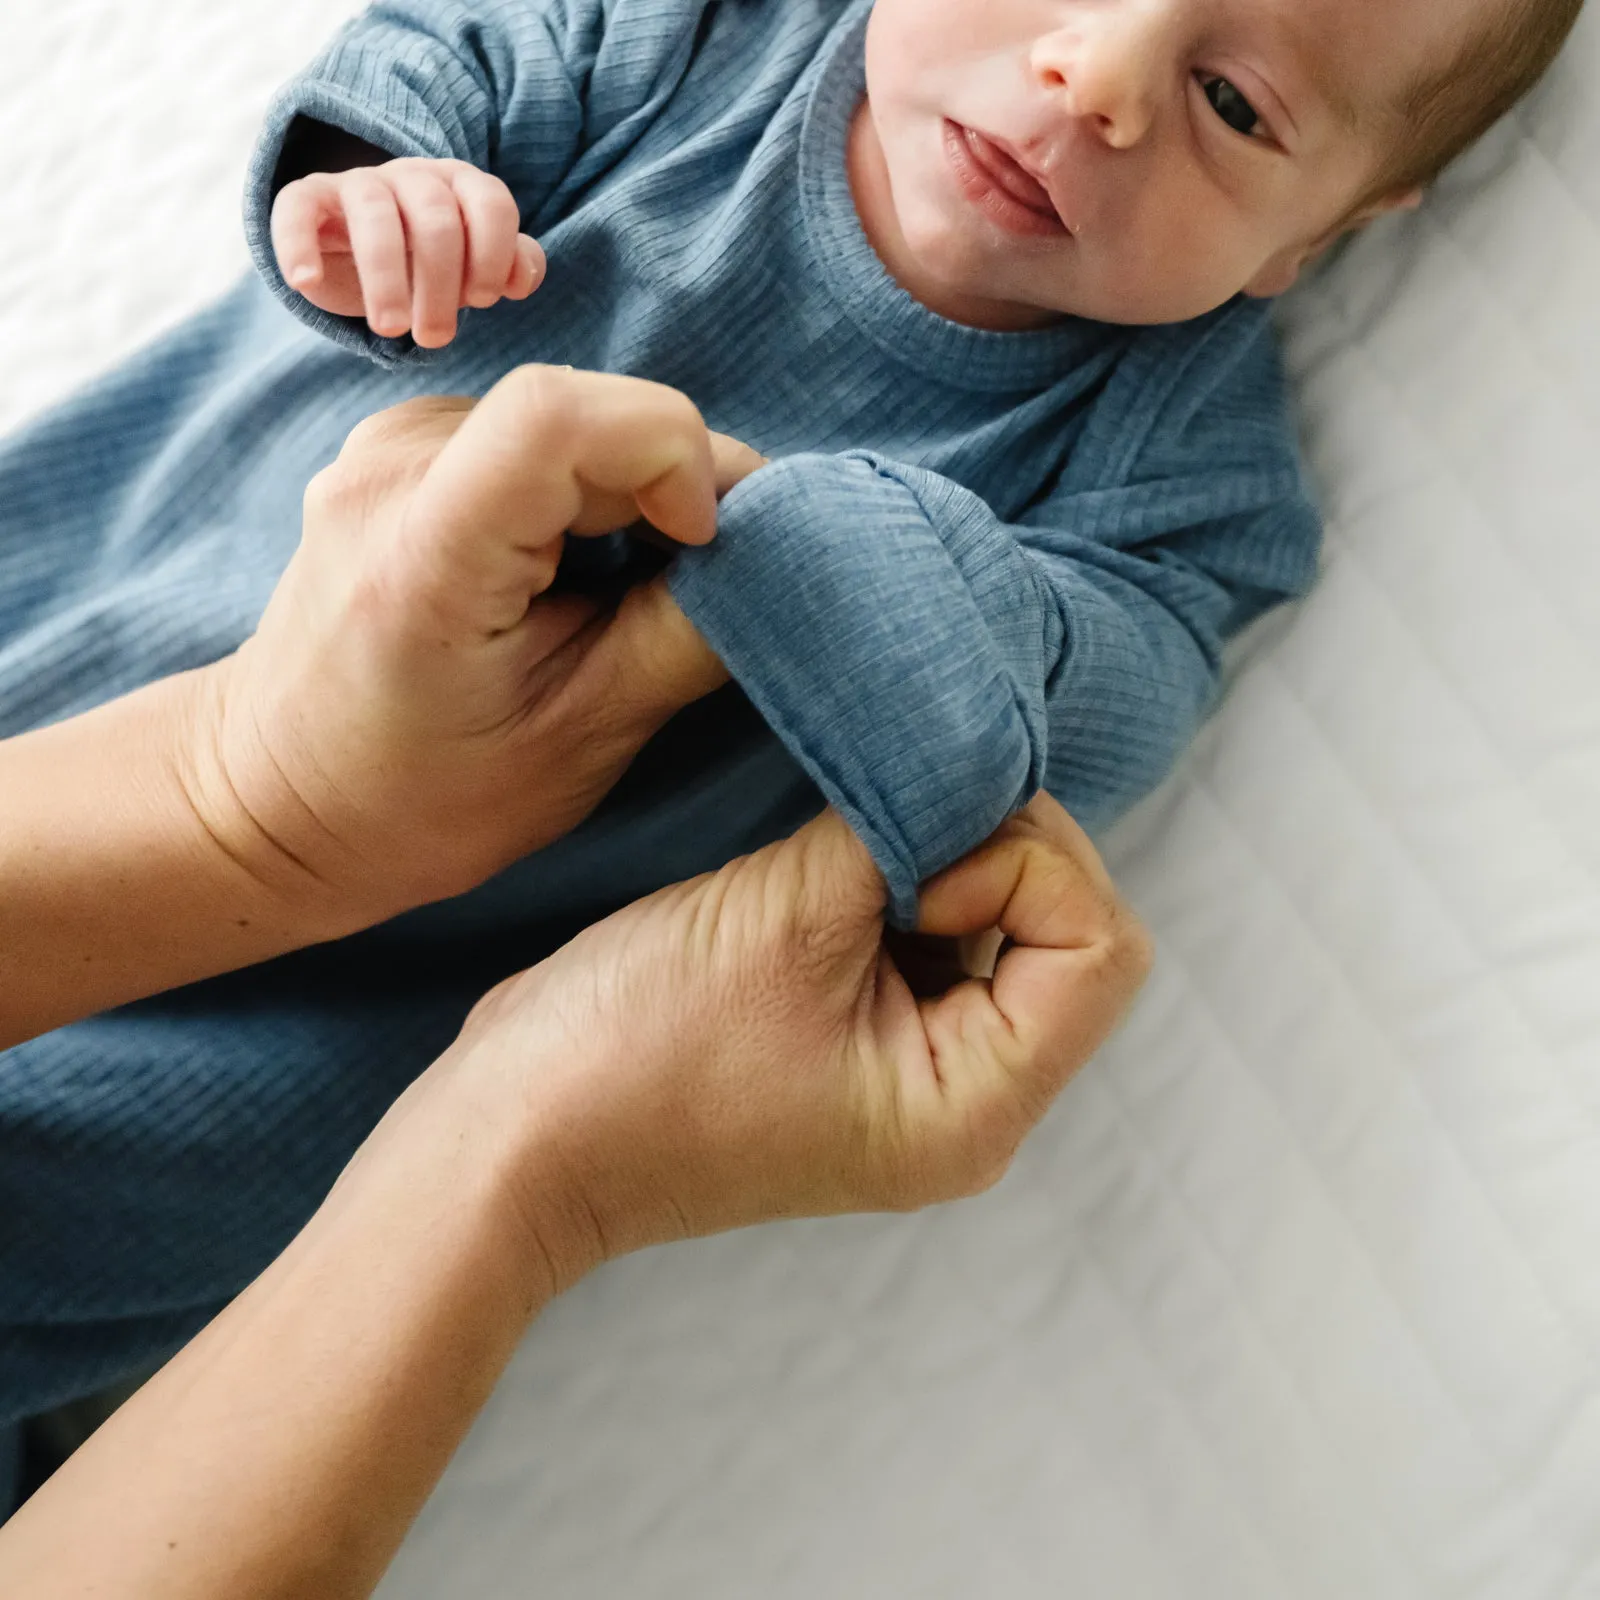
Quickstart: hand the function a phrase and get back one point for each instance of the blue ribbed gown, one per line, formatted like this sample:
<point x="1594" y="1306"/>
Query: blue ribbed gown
<point x="979" y="563"/>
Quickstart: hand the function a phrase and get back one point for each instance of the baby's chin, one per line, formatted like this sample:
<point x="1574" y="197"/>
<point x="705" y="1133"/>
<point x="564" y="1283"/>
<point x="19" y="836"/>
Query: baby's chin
<point x="993" y="283"/>
<point x="1131" y="303"/>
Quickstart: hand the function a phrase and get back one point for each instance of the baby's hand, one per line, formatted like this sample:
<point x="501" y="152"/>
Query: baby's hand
<point x="407" y="244"/>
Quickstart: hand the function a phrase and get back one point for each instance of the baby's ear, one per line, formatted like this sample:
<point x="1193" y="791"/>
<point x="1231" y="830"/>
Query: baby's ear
<point x="1399" y="200"/>
<point x="1283" y="271"/>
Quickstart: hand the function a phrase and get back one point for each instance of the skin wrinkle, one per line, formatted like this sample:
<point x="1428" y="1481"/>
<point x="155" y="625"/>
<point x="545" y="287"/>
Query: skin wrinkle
<point x="208" y="810"/>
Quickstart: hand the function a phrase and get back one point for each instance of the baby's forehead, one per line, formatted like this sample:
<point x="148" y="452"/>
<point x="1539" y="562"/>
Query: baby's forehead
<point x="1364" y="56"/>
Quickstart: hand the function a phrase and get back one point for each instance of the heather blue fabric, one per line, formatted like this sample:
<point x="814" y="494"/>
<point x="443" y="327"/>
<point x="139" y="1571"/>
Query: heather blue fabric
<point x="10" y="1466"/>
<point x="979" y="563"/>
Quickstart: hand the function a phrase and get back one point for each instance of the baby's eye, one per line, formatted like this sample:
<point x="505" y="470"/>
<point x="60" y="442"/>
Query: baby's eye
<point x="1230" y="105"/>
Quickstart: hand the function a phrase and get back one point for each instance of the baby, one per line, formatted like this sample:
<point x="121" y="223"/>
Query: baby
<point x="986" y="279"/>
<point x="904" y="247"/>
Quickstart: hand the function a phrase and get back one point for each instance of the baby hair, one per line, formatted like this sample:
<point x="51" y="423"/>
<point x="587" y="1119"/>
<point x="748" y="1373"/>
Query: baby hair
<point x="1449" y="109"/>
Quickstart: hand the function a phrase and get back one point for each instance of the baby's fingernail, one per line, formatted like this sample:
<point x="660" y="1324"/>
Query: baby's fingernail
<point x="304" y="274"/>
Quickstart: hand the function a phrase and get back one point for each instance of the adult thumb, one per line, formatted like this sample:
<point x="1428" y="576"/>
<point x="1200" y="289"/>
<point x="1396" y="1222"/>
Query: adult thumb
<point x="650" y="661"/>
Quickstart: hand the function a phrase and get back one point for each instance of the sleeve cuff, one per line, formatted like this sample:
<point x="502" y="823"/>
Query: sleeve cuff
<point x="324" y="102"/>
<point x="897" y="649"/>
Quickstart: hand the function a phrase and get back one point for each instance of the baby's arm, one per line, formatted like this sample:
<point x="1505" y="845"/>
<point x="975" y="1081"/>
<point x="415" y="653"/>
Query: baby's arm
<point x="932" y="665"/>
<point x="434" y="96"/>
<point x="406" y="244"/>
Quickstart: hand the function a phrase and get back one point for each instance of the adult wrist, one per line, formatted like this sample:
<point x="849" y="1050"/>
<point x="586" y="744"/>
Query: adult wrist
<point x="577" y="1086"/>
<point x="261" y="829"/>
<point x="486" y="1096"/>
<point x="121" y="874"/>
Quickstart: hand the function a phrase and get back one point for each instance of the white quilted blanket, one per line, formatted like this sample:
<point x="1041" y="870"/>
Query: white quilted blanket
<point x="1296" y="1296"/>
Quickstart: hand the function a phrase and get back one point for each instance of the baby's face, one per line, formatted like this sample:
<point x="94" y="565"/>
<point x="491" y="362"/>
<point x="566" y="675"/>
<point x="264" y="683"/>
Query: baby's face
<point x="1130" y="161"/>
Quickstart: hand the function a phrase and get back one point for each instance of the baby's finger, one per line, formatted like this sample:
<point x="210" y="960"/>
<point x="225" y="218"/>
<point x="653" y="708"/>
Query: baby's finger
<point x="527" y="269"/>
<point x="297" y="217"/>
<point x="490" y="216"/>
<point x="378" y="247"/>
<point x="438" y="247"/>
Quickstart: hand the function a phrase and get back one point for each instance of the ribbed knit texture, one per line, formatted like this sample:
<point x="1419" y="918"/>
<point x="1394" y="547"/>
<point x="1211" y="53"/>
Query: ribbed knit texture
<point x="979" y="562"/>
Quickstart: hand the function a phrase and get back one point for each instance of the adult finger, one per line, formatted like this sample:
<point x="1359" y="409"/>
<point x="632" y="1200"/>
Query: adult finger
<point x="1076" y="957"/>
<point x="489" y="215"/>
<point x="436" y="238"/>
<point x="488" y="520"/>
<point x="378" y="247"/>
<point x="648" y="663"/>
<point x="733" y="460"/>
<point x="955" y="901"/>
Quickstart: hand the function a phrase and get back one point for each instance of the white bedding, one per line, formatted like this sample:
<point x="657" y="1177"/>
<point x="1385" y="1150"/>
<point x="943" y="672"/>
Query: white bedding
<point x="1296" y="1296"/>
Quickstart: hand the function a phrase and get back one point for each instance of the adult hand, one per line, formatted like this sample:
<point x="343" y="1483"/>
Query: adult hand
<point x="741" y="1047"/>
<point x="410" y="716"/>
<point x="730" y="1050"/>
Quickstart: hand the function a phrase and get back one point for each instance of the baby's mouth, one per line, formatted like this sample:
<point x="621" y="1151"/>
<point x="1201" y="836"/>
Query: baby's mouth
<point x="996" y="162"/>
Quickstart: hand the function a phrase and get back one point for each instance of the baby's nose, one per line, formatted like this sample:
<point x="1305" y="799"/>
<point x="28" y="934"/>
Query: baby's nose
<point x="1103" y="72"/>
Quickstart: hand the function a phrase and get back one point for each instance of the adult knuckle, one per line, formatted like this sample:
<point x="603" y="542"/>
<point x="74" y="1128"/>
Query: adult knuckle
<point x="494" y="1007"/>
<point x="328" y="494"/>
<point x="381" y="429"/>
<point x="348" y="494"/>
<point x="1121" y="955"/>
<point x="547" y="403"/>
<point x="664" y="406"/>
<point x="677" y="407"/>
<point x="366" y="435"/>
<point x="379" y="458"/>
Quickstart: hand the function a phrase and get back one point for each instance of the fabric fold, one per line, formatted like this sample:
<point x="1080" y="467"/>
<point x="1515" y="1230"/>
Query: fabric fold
<point x="899" y="651"/>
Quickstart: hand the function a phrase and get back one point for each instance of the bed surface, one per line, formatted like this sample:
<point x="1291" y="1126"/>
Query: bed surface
<point x="1296" y="1295"/>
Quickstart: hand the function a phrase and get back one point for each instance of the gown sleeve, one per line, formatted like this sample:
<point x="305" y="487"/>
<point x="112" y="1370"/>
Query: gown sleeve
<point x="529" y="90"/>
<point x="932" y="666"/>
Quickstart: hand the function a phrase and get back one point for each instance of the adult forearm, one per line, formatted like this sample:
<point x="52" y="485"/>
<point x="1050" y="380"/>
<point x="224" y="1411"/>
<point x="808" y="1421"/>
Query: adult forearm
<point x="287" y="1449"/>
<point x="411" y="715"/>
<point x="122" y="872"/>
<point x="727" y="1051"/>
